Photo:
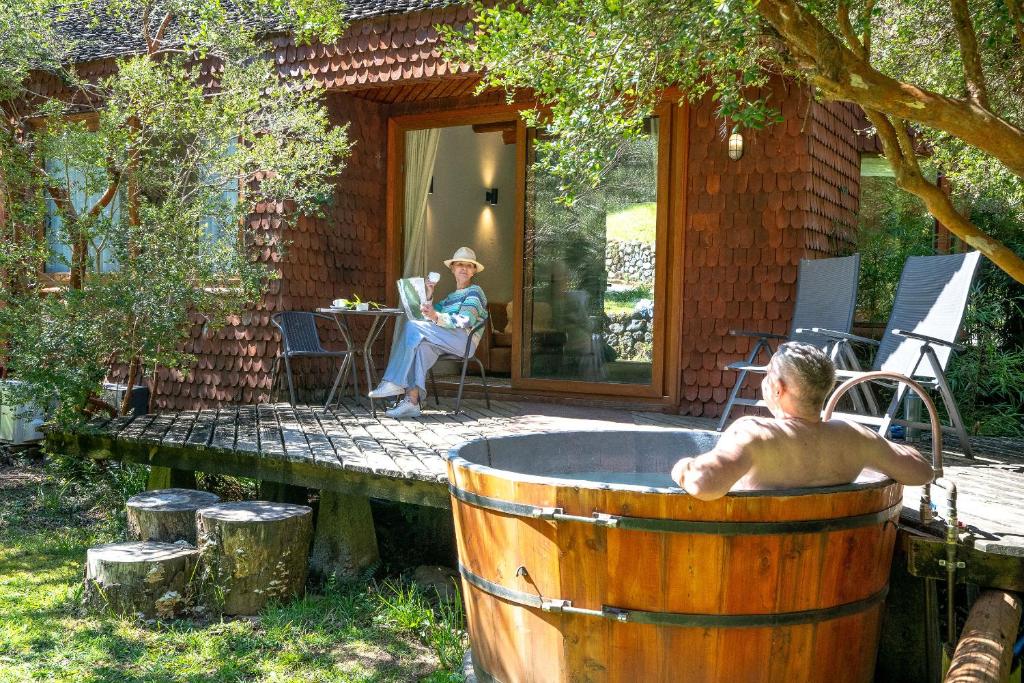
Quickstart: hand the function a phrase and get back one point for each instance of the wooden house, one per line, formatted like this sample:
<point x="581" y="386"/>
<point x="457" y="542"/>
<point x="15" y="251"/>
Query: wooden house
<point x="719" y="238"/>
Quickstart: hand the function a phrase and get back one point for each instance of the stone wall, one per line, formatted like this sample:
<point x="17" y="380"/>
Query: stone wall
<point x="629" y="261"/>
<point x="631" y="335"/>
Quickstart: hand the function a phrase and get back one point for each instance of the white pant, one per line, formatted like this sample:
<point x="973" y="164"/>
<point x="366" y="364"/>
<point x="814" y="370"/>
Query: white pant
<point x="418" y="349"/>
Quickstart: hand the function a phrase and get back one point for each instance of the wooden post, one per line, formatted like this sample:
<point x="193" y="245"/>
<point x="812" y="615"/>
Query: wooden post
<point x="132" y="578"/>
<point x="985" y="650"/>
<point x="253" y="552"/>
<point x="167" y="478"/>
<point x="167" y="515"/>
<point x="283" y="493"/>
<point x="345" y="541"/>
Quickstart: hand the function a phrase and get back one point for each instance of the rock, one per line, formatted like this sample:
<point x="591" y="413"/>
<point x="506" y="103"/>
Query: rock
<point x="443" y="580"/>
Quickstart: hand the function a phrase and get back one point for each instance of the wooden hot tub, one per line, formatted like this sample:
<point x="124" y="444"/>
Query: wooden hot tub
<point x="581" y="561"/>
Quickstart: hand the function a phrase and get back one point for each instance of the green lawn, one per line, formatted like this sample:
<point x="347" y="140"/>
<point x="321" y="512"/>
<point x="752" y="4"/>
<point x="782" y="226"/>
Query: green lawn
<point x="635" y="224"/>
<point x="369" y="631"/>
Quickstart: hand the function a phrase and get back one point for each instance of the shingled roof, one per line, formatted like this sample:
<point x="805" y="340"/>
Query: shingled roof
<point x="100" y="40"/>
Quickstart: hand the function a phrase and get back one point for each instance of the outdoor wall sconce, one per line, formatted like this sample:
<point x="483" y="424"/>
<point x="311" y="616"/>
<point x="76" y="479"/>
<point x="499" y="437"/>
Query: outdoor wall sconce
<point x="491" y="196"/>
<point x="735" y="145"/>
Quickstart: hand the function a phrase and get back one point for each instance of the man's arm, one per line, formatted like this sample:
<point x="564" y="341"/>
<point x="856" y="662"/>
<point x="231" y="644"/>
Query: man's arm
<point x="712" y="474"/>
<point x="901" y="462"/>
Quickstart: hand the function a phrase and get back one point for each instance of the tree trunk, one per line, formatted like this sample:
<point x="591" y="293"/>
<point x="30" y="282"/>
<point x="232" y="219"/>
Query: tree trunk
<point x="252" y="553"/>
<point x="167" y="515"/>
<point x="150" y="578"/>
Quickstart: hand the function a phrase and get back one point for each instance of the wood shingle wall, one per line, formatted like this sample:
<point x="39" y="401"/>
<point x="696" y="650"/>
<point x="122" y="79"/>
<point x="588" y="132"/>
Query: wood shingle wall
<point x="749" y="222"/>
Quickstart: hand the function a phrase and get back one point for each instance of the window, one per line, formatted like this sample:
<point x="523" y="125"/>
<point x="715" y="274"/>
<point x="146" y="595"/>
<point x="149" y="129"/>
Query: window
<point x="85" y="188"/>
<point x="589" y="280"/>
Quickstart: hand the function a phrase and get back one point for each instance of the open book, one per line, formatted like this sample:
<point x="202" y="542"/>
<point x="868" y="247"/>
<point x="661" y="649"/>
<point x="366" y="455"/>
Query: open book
<point x="412" y="292"/>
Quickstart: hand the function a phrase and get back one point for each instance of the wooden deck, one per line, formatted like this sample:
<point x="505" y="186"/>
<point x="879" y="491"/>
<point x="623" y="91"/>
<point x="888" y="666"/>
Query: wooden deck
<point x="345" y="449"/>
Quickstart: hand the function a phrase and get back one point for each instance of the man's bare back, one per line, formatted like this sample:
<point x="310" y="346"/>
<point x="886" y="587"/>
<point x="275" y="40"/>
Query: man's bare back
<point x="795" y="449"/>
<point x="771" y="453"/>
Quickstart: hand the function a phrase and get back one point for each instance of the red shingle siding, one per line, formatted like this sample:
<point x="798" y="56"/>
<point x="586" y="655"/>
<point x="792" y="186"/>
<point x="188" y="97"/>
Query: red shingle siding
<point x="375" y="52"/>
<point x="749" y="222"/>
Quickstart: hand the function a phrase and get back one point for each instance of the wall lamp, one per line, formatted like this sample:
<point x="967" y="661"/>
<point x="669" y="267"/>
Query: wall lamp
<point x="491" y="196"/>
<point x="735" y="145"/>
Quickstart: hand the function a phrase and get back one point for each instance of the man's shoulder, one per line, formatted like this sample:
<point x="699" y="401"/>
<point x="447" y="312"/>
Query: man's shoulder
<point x="750" y="428"/>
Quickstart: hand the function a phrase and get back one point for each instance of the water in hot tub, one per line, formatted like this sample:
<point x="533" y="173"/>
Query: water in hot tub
<point x="650" y="479"/>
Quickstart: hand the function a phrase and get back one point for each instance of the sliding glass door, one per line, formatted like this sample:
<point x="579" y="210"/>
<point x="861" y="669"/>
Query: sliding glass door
<point x="591" y="314"/>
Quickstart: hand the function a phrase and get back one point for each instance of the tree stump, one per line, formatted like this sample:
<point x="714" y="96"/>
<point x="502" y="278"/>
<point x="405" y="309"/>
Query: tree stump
<point x="167" y="515"/>
<point x="253" y="552"/>
<point x="148" y="578"/>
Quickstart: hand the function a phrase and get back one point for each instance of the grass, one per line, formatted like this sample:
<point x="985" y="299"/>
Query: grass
<point x="638" y="223"/>
<point x="363" y="631"/>
<point x="623" y="301"/>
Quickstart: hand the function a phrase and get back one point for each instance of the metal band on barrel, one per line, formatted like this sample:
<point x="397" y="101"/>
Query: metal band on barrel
<point x="678" y="619"/>
<point x="679" y="526"/>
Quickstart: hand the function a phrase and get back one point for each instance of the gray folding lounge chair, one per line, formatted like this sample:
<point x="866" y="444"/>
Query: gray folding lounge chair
<point x="300" y="339"/>
<point x="826" y="290"/>
<point x="926" y="317"/>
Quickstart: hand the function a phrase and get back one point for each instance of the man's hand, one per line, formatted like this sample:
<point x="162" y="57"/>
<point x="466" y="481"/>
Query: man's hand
<point x="428" y="312"/>
<point x="429" y="286"/>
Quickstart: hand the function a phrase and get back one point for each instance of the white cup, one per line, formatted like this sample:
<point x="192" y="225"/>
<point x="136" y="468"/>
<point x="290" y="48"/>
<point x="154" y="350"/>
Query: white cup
<point x="363" y="307"/>
<point x="338" y="303"/>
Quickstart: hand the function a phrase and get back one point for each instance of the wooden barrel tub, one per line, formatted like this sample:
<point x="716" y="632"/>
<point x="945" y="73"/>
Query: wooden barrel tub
<point x="581" y="561"/>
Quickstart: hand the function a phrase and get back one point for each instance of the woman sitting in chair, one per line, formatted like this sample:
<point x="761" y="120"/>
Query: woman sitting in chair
<point x="445" y="330"/>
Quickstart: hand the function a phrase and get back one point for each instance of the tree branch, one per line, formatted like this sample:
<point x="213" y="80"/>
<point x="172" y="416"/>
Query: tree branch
<point x="852" y="41"/>
<point x="974" y="77"/>
<point x="108" y="195"/>
<point x="841" y="75"/>
<point x="159" y="37"/>
<point x="1017" y="17"/>
<point x="899" y="151"/>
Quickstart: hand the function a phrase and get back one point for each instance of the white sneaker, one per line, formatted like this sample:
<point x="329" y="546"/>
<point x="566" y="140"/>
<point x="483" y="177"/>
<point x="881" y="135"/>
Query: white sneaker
<point x="404" y="409"/>
<point x="386" y="389"/>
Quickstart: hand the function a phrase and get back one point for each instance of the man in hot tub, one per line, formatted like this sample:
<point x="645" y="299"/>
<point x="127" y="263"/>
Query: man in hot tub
<point x="794" y="448"/>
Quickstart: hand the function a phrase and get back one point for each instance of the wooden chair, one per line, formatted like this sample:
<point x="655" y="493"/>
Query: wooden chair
<point x="826" y="290"/>
<point x="464" y="358"/>
<point x="927" y="313"/>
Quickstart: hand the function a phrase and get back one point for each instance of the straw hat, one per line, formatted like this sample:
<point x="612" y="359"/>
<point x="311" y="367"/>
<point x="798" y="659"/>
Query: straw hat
<point x="466" y="255"/>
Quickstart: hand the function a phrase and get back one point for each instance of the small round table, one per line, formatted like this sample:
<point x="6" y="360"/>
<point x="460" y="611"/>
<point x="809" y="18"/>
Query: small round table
<point x="380" y="318"/>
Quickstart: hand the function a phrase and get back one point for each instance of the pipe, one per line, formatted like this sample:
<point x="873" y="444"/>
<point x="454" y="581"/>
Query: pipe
<point x="985" y="651"/>
<point x="950" y="562"/>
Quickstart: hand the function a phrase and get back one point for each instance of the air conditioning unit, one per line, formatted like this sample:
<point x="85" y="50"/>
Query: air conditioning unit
<point x="19" y="423"/>
<point x="114" y="394"/>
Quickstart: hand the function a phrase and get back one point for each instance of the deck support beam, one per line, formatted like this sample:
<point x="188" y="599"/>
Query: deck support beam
<point x="345" y="542"/>
<point x="170" y="478"/>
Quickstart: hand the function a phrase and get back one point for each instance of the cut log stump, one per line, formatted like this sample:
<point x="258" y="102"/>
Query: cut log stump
<point x="253" y="552"/>
<point x="148" y="578"/>
<point x="167" y="515"/>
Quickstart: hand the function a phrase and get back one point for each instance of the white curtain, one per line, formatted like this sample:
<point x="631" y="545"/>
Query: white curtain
<point x="420" y="154"/>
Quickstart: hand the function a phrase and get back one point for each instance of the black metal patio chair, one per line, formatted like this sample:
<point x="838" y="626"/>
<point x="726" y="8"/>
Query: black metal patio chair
<point x="300" y="339"/>
<point x="470" y="354"/>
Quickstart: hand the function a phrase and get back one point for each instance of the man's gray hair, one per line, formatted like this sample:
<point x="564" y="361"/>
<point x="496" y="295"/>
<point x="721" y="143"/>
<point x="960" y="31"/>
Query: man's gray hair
<point x="808" y="372"/>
